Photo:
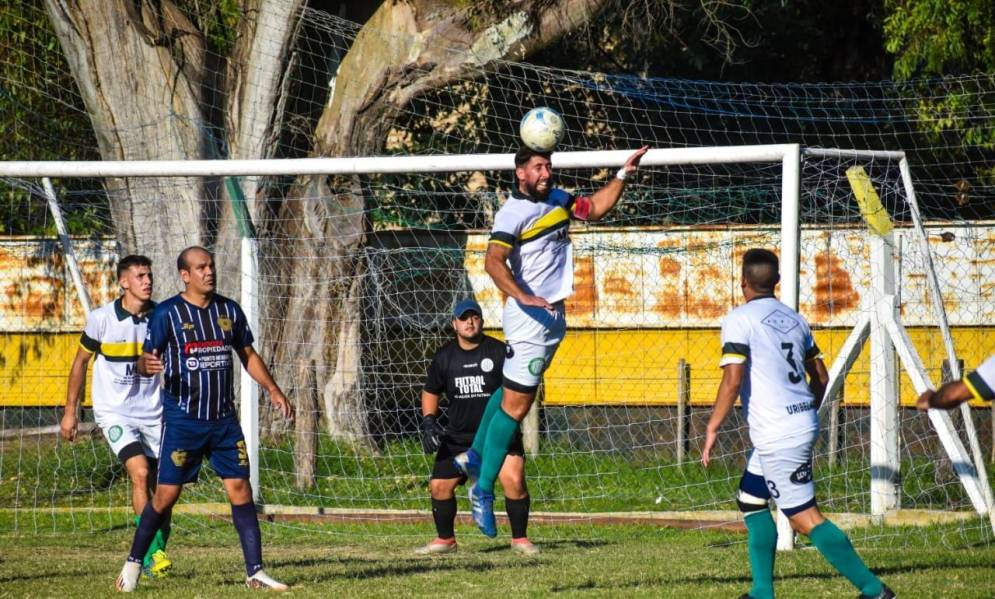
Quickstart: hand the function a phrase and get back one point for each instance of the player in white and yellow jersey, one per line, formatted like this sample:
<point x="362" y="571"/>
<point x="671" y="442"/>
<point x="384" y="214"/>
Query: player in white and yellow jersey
<point x="767" y="351"/>
<point x="530" y="259"/>
<point x="126" y="405"/>
<point x="979" y="385"/>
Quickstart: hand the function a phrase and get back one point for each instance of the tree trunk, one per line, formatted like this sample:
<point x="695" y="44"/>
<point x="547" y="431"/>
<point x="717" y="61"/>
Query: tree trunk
<point x="136" y="65"/>
<point x="406" y="49"/>
<point x="153" y="91"/>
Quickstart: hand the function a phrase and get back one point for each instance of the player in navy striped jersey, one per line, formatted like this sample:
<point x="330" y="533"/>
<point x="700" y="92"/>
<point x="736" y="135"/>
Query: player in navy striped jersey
<point x="190" y="341"/>
<point x="767" y="351"/>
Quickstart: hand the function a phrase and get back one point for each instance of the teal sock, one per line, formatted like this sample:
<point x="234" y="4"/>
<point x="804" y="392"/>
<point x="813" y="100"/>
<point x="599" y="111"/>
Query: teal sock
<point x="835" y="546"/>
<point x="499" y="435"/>
<point x="762" y="543"/>
<point x="492" y="407"/>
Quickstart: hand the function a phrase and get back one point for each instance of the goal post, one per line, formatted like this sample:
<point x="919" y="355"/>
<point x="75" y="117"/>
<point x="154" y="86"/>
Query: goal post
<point x="807" y="200"/>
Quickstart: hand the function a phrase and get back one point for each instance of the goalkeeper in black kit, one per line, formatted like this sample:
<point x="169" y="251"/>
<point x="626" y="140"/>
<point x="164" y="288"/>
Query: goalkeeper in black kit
<point x="468" y="370"/>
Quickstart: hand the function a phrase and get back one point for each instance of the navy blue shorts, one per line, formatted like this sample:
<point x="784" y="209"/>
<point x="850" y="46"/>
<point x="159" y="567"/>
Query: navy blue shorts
<point x="185" y="444"/>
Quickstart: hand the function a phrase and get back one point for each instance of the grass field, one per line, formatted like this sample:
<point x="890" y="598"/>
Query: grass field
<point x="322" y="560"/>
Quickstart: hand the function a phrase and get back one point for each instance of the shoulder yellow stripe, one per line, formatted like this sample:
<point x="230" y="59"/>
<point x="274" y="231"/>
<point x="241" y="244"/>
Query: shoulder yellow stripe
<point x="85" y="348"/>
<point x="121" y="350"/>
<point x="970" y="387"/>
<point x="734" y="356"/>
<point x="550" y="219"/>
<point x="507" y="245"/>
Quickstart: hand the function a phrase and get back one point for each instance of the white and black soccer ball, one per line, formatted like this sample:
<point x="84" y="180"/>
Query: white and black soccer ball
<point x="541" y="129"/>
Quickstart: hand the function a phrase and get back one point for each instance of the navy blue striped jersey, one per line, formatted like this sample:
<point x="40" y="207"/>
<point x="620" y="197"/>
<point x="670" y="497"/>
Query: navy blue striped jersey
<point x="195" y="345"/>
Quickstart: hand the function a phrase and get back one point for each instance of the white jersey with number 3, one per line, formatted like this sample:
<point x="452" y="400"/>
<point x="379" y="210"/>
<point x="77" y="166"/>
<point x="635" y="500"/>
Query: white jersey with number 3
<point x="774" y="342"/>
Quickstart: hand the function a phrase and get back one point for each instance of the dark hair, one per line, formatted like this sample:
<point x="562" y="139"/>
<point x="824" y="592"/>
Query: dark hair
<point x="525" y="153"/>
<point x="132" y="260"/>
<point x="760" y="269"/>
<point x="181" y="260"/>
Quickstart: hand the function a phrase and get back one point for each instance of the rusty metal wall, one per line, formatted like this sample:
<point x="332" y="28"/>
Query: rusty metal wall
<point x="689" y="277"/>
<point x="41" y="316"/>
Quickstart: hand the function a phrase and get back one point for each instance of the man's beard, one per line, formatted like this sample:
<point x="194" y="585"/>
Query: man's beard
<point x="533" y="191"/>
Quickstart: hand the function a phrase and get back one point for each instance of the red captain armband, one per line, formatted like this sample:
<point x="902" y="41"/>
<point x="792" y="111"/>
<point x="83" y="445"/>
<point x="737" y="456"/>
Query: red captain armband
<point x="582" y="208"/>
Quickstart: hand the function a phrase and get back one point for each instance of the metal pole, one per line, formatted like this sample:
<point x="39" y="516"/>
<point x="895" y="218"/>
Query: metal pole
<point x="683" y="395"/>
<point x="249" y="406"/>
<point x="67" y="246"/>
<point x="791" y="166"/>
<point x="948" y="340"/>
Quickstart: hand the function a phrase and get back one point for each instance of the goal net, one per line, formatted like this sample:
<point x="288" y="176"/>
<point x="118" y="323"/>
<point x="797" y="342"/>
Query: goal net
<point x="352" y="266"/>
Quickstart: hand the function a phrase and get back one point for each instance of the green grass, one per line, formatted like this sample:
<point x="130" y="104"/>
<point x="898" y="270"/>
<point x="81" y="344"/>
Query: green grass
<point x="41" y="473"/>
<point x="354" y="561"/>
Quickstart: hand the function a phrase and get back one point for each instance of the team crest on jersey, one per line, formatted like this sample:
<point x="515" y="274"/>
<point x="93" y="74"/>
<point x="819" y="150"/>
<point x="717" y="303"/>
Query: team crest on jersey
<point x="225" y="324"/>
<point x="187" y="326"/>
<point x="243" y="453"/>
<point x="803" y="475"/>
<point x="179" y="457"/>
<point x="780" y="321"/>
<point x="487" y="365"/>
<point x="114" y="433"/>
<point x="536" y="366"/>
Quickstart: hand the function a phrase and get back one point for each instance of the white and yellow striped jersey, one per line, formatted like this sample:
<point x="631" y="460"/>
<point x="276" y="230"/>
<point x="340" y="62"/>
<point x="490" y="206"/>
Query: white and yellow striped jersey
<point x="774" y="342"/>
<point x="981" y="382"/>
<point x="118" y="391"/>
<point x="537" y="231"/>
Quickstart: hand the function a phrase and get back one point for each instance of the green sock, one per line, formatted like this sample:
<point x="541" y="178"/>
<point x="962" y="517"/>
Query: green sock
<point x="835" y="546"/>
<point x="762" y="543"/>
<point x="499" y="435"/>
<point x="492" y="407"/>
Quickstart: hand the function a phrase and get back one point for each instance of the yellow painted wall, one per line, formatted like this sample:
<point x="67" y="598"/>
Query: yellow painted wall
<point x="34" y="368"/>
<point x="641" y="367"/>
<point x="635" y="367"/>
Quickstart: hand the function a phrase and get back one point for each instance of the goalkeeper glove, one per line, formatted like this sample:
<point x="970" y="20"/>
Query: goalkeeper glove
<point x="430" y="433"/>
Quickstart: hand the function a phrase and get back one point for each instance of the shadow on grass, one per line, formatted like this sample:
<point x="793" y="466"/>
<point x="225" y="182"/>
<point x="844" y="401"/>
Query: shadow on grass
<point x="50" y="575"/>
<point x="661" y="581"/>
<point x="551" y="546"/>
<point x="411" y="567"/>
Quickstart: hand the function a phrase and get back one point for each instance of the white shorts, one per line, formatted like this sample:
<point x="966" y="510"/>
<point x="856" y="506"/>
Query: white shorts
<point x="532" y="336"/>
<point x="786" y="473"/>
<point x="121" y="433"/>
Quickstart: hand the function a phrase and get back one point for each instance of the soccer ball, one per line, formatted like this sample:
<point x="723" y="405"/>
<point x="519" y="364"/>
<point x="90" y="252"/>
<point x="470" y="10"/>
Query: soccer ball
<point x="541" y="129"/>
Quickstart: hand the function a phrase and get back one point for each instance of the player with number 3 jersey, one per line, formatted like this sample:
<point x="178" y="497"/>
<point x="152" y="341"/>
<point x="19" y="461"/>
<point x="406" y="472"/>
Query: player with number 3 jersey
<point x="770" y="360"/>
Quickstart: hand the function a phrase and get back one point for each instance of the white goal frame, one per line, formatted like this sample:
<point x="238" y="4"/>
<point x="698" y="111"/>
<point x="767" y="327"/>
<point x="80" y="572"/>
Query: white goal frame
<point x="879" y="324"/>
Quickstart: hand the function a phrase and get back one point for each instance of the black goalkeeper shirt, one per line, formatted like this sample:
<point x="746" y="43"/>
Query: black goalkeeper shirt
<point x="467" y="378"/>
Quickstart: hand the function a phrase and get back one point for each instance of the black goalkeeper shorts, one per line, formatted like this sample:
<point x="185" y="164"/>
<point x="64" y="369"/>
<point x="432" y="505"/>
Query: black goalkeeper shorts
<point x="450" y="448"/>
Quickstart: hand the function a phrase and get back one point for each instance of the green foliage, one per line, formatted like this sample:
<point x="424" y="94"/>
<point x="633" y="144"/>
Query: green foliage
<point x="217" y="20"/>
<point x="41" y="118"/>
<point x="932" y="38"/>
<point x="940" y="37"/>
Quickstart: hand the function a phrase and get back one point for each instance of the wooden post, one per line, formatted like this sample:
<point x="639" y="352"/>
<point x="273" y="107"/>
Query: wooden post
<point x="683" y="399"/>
<point x="306" y="429"/>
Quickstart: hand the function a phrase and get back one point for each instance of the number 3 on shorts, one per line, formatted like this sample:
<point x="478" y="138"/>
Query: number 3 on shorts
<point x="773" y="489"/>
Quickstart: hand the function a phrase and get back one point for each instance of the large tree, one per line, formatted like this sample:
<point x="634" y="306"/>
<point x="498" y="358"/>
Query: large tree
<point x="155" y="86"/>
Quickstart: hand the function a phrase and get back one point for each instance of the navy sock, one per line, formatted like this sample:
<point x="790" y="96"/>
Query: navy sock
<point x="149" y="524"/>
<point x="518" y="515"/>
<point x="247" y="524"/>
<point x="444" y="514"/>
